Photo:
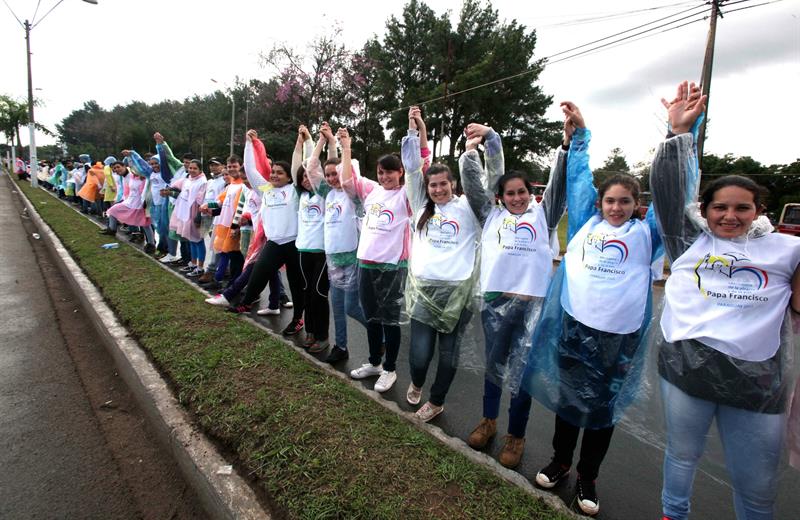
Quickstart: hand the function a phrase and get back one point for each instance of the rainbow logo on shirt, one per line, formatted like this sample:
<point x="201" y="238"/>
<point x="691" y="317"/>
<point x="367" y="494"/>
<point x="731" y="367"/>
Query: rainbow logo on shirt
<point x="313" y="210"/>
<point x="730" y="266"/>
<point x="335" y="209"/>
<point x="452" y="225"/>
<point x="386" y="216"/>
<point x="617" y="245"/>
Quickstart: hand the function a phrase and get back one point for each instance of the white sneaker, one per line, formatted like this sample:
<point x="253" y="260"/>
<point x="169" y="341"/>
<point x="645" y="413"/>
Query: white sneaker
<point x="413" y="394"/>
<point x="168" y="258"/>
<point x="366" y="370"/>
<point x="218" y="300"/>
<point x="268" y="312"/>
<point x="386" y="381"/>
<point x="428" y="411"/>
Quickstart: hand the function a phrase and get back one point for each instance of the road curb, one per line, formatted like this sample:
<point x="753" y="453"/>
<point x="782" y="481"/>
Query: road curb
<point x="206" y="485"/>
<point x="224" y="494"/>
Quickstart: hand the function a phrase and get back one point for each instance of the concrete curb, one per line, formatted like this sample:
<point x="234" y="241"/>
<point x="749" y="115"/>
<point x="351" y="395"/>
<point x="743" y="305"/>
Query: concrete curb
<point x="224" y="494"/>
<point x="453" y="443"/>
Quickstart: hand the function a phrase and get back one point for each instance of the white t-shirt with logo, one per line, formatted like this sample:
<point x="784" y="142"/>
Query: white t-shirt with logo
<point x="311" y="216"/>
<point x="445" y="248"/>
<point x="608" y="275"/>
<point x="731" y="295"/>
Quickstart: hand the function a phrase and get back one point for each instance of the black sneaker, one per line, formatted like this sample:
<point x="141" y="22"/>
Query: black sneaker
<point x="107" y="231"/>
<point x="551" y="474"/>
<point x="337" y="354"/>
<point x="149" y="249"/>
<point x="587" y="497"/>
<point x="293" y="328"/>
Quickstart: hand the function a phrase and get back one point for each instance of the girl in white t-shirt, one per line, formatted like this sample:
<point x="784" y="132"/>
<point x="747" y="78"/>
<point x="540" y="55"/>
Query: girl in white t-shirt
<point x="516" y="264"/>
<point x="589" y="342"/>
<point x="382" y="260"/>
<point x="728" y="343"/>
<point x="441" y="278"/>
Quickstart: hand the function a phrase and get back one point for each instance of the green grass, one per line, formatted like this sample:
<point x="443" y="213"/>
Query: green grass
<point x="316" y="445"/>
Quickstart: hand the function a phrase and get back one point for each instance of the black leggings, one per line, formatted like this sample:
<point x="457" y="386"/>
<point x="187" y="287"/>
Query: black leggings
<point x="594" y="447"/>
<point x="314" y="270"/>
<point x="270" y="260"/>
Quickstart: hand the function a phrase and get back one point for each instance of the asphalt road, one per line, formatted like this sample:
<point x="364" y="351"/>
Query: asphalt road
<point x="629" y="485"/>
<point x="75" y="444"/>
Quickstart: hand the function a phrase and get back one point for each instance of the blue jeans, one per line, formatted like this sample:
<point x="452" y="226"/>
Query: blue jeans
<point x="159" y="214"/>
<point x="752" y="443"/>
<point x="423" y="340"/>
<point x="198" y="251"/>
<point x="344" y="304"/>
<point x="506" y="334"/>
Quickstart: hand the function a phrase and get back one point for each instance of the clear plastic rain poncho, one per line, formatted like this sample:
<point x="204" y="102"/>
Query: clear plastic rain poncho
<point x="587" y="374"/>
<point x="382" y="249"/>
<point x="727" y="327"/>
<point x="444" y="263"/>
<point x="516" y="262"/>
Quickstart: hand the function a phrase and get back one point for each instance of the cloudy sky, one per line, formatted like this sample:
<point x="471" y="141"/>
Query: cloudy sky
<point x="113" y="53"/>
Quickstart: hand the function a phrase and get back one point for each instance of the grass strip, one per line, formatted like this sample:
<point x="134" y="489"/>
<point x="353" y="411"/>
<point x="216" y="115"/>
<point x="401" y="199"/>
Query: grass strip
<point x="316" y="445"/>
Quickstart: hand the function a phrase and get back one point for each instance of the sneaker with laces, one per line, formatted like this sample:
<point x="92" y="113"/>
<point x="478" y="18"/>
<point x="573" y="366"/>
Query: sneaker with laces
<point x="551" y="474"/>
<point x="309" y="340"/>
<point x="285" y="302"/>
<point x="413" y="394"/>
<point x="239" y="309"/>
<point x="428" y="411"/>
<point x="149" y="249"/>
<point x="293" y="328"/>
<point x="319" y="345"/>
<point x="166" y="259"/>
<point x="337" y="354"/>
<point x="587" y="496"/>
<point x="197" y="272"/>
<point x="511" y="454"/>
<point x="386" y="381"/>
<point x="188" y="268"/>
<point x="366" y="370"/>
<point x="268" y="312"/>
<point x="219" y="299"/>
<point x="482" y="433"/>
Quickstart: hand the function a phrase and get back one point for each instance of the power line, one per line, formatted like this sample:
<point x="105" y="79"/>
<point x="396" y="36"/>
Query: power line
<point x="606" y="46"/>
<point x="613" y="16"/>
<point x="13" y="13"/>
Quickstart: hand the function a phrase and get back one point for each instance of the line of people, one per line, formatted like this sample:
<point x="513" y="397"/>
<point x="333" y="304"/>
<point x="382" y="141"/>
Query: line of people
<point x="408" y="247"/>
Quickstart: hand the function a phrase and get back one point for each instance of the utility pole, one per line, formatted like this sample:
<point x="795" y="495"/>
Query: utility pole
<point x="705" y="78"/>
<point x="34" y="160"/>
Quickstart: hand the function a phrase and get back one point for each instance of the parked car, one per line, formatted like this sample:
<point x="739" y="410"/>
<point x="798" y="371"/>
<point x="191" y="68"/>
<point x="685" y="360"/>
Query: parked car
<point x="789" y="222"/>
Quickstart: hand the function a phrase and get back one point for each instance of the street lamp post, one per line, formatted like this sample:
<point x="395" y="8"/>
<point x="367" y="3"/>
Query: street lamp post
<point x="28" y="26"/>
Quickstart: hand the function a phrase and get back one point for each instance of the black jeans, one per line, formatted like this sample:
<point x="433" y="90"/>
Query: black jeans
<point x="270" y="260"/>
<point x="594" y="447"/>
<point x="314" y="270"/>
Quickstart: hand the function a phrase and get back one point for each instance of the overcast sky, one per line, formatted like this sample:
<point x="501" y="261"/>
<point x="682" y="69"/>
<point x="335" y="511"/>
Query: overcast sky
<point x="116" y="52"/>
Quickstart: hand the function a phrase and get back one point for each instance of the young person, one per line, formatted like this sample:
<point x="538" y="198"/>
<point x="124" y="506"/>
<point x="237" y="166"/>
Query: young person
<point x="516" y="264"/>
<point x="727" y="267"/>
<point x="341" y="232"/>
<point x="311" y="240"/>
<point x="441" y="277"/>
<point x="173" y="169"/>
<point x="159" y="210"/>
<point x="382" y="253"/>
<point x="279" y="206"/>
<point x="133" y="209"/>
<point x="219" y="181"/>
<point x="590" y="339"/>
<point x="227" y="211"/>
<point x="189" y="193"/>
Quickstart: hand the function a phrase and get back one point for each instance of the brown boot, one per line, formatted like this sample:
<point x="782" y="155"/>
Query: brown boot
<point x="206" y="277"/>
<point x="481" y="435"/>
<point x="512" y="451"/>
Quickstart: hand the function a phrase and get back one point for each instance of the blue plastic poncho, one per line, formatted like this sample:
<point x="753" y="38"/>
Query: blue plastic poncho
<point x="586" y="376"/>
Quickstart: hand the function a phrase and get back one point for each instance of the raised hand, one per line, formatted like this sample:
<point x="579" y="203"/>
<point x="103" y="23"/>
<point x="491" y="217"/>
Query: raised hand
<point x="303" y="134"/>
<point x="476" y="129"/>
<point x="325" y="132"/>
<point x="126" y="153"/>
<point x="573" y="113"/>
<point x="251" y="134"/>
<point x="344" y="138"/>
<point x="158" y="137"/>
<point x="413" y="114"/>
<point x="473" y="142"/>
<point x="687" y="106"/>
